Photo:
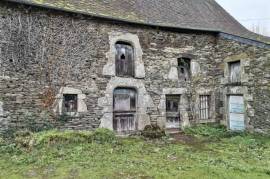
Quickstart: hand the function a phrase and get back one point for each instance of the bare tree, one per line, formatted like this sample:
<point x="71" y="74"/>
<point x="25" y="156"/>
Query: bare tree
<point x="260" y="29"/>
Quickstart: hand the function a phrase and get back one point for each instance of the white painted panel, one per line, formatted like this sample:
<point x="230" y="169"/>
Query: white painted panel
<point x="236" y="113"/>
<point x="237" y="122"/>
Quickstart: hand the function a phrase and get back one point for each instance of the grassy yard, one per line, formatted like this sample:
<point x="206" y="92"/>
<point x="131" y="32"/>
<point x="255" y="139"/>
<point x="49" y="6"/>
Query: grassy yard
<point x="202" y="152"/>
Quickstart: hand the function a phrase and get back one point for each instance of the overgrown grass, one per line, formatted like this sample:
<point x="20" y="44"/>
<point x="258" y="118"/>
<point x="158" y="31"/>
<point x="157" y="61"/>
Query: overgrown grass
<point x="100" y="154"/>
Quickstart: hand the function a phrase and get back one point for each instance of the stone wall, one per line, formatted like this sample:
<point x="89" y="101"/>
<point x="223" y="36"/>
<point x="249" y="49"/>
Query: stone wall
<point x="43" y="51"/>
<point x="255" y="81"/>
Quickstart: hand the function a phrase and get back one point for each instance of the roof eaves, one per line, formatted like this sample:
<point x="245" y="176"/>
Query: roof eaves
<point x="44" y="5"/>
<point x="244" y="40"/>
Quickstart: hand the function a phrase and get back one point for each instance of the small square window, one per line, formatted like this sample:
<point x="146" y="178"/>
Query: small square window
<point x="70" y="103"/>
<point x="204" y="106"/>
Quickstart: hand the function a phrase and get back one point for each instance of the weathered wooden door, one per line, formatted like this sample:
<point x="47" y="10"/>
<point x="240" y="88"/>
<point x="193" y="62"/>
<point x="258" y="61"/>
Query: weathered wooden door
<point x="172" y="111"/>
<point x="124" y="110"/>
<point x="235" y="72"/>
<point x="236" y="112"/>
<point x="124" y="60"/>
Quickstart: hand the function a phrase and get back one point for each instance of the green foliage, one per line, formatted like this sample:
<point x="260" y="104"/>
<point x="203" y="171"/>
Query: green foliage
<point x="78" y="154"/>
<point x="55" y="137"/>
<point x="9" y="133"/>
<point x="24" y="139"/>
<point x="2" y="141"/>
<point x="102" y="136"/>
<point x="63" y="118"/>
<point x="207" y="130"/>
<point x="36" y="123"/>
<point x="29" y="140"/>
<point x="153" y="132"/>
<point x="32" y="123"/>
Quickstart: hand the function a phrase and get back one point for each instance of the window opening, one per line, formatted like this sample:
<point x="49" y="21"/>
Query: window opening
<point x="204" y="106"/>
<point x="184" y="69"/>
<point x="70" y="102"/>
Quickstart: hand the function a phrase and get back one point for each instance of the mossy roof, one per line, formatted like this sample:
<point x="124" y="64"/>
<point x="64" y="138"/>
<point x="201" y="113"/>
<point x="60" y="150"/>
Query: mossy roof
<point x="204" y="15"/>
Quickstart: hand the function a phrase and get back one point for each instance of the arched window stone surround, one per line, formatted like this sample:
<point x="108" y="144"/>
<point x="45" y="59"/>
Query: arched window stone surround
<point x="133" y="39"/>
<point x="144" y="101"/>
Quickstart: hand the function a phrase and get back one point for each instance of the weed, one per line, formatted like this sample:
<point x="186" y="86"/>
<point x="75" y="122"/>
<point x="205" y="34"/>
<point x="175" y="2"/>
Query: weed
<point x="2" y="141"/>
<point x="81" y="154"/>
<point x="153" y="132"/>
<point x="102" y="136"/>
<point x="206" y="130"/>
<point x="24" y="139"/>
<point x="55" y="137"/>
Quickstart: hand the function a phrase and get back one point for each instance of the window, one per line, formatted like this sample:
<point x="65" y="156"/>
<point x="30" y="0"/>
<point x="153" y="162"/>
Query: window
<point x="124" y="107"/>
<point x="70" y="103"/>
<point x="124" y="59"/>
<point x="204" y="106"/>
<point x="172" y="111"/>
<point x="184" y="69"/>
<point x="235" y="72"/>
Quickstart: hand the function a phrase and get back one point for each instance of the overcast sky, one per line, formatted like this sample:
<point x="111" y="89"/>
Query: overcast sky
<point x="250" y="13"/>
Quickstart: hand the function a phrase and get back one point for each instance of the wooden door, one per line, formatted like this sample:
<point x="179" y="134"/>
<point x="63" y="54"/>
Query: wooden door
<point x="236" y="113"/>
<point x="172" y="111"/>
<point x="124" y="110"/>
<point x="124" y="60"/>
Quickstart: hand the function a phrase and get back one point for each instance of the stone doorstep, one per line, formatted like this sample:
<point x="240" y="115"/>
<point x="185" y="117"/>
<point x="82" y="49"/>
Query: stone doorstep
<point x="173" y="131"/>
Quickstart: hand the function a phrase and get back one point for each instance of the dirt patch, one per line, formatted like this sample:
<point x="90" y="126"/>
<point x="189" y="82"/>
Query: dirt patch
<point x="190" y="140"/>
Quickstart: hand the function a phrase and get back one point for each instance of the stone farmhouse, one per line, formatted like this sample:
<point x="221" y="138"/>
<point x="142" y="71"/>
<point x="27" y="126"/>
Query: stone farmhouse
<point x="125" y="64"/>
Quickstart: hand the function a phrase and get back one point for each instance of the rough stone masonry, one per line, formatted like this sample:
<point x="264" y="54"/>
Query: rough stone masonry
<point x="51" y="58"/>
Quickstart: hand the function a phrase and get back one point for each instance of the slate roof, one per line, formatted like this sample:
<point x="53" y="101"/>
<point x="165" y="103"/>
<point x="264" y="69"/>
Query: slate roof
<point x="204" y="15"/>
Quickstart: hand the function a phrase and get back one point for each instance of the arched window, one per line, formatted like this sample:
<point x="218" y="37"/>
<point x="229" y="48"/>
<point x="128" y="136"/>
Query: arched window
<point x="124" y="59"/>
<point x="124" y="107"/>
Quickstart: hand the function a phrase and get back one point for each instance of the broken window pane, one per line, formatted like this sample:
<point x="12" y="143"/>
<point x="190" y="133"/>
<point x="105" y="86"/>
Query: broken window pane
<point x="204" y="106"/>
<point x="172" y="111"/>
<point x="235" y="72"/>
<point x="70" y="102"/>
<point x="124" y="59"/>
<point x="184" y="69"/>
